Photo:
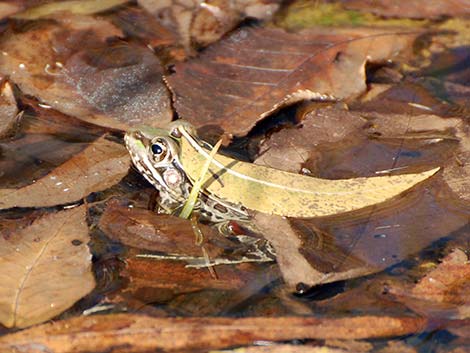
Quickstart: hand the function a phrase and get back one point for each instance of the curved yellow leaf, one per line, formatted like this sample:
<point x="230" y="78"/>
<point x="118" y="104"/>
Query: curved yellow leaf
<point x="287" y="194"/>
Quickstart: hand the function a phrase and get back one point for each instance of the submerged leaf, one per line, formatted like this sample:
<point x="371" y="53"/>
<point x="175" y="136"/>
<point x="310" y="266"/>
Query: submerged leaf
<point x="281" y="193"/>
<point x="143" y="333"/>
<point x="74" y="66"/>
<point x="98" y="167"/>
<point x="44" y="268"/>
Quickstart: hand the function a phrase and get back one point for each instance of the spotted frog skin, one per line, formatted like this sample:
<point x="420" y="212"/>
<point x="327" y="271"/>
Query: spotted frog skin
<point x="155" y="154"/>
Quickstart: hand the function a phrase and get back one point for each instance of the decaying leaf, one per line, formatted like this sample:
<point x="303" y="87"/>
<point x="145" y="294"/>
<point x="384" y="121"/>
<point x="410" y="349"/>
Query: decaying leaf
<point x="8" y="8"/>
<point x="166" y="234"/>
<point x="96" y="168"/>
<point x="44" y="268"/>
<point x="136" y="23"/>
<point x="245" y="77"/>
<point x="141" y="333"/>
<point x="8" y="109"/>
<point x="281" y="193"/>
<point x="294" y="266"/>
<point x="289" y="149"/>
<point x="433" y="9"/>
<point x="79" y="7"/>
<point x="71" y="66"/>
<point x="443" y="290"/>
<point x="206" y="22"/>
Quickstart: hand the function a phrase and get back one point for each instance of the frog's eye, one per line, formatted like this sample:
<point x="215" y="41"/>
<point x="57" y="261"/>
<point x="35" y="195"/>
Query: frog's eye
<point x="157" y="149"/>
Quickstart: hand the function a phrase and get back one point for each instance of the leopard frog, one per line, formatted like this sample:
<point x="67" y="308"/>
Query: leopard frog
<point x="155" y="153"/>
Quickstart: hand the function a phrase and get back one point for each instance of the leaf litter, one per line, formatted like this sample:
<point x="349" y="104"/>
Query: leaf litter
<point x="45" y="268"/>
<point x="278" y="68"/>
<point x="389" y="119"/>
<point x="96" y="168"/>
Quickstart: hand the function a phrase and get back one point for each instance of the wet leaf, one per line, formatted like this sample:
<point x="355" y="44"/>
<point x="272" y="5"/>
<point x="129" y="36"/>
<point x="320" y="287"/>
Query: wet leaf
<point x="8" y="8"/>
<point x="349" y="245"/>
<point x="8" y="109"/>
<point x="281" y="193"/>
<point x="153" y="281"/>
<point x="137" y="23"/>
<point x="145" y="230"/>
<point x="205" y="23"/>
<point x="96" y="168"/>
<point x="284" y="348"/>
<point x="140" y="333"/>
<point x="72" y="67"/>
<point x="289" y="149"/>
<point x="295" y="267"/>
<point x="245" y="77"/>
<point x="442" y="291"/>
<point x="44" y="268"/>
<point x="79" y="7"/>
<point x="432" y="9"/>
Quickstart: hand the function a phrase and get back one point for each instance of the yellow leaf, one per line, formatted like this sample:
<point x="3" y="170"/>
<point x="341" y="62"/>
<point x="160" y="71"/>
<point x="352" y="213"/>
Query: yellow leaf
<point x="287" y="194"/>
<point x="78" y="7"/>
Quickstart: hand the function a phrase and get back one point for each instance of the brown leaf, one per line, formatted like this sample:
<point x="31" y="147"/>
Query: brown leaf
<point x="168" y="234"/>
<point x="442" y="291"/>
<point x="243" y="78"/>
<point x="286" y="348"/>
<point x="69" y="66"/>
<point x="328" y="249"/>
<point x="139" y="333"/>
<point x="96" y="168"/>
<point x="432" y="9"/>
<point x="205" y="23"/>
<point x="137" y="23"/>
<point x="149" y="277"/>
<point x="294" y="266"/>
<point x="8" y="109"/>
<point x="44" y="268"/>
<point x="8" y="8"/>
<point x="289" y="149"/>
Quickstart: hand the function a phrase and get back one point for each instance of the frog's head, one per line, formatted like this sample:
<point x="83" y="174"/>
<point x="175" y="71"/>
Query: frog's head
<point x="154" y="152"/>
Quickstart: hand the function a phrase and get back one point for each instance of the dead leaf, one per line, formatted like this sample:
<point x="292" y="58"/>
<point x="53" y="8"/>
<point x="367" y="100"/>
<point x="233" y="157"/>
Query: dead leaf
<point x="8" y="109"/>
<point x="442" y="291"/>
<point x="206" y="22"/>
<point x="274" y="191"/>
<point x="432" y="9"/>
<point x="150" y="279"/>
<point x="253" y="72"/>
<point x="143" y="229"/>
<point x="44" y="268"/>
<point x="139" y="333"/>
<point x="96" y="168"/>
<point x="289" y="149"/>
<point x="8" y="9"/>
<point x="285" y="348"/>
<point x="79" y="7"/>
<point x="71" y="67"/>
<point x="295" y="267"/>
<point x="137" y="23"/>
